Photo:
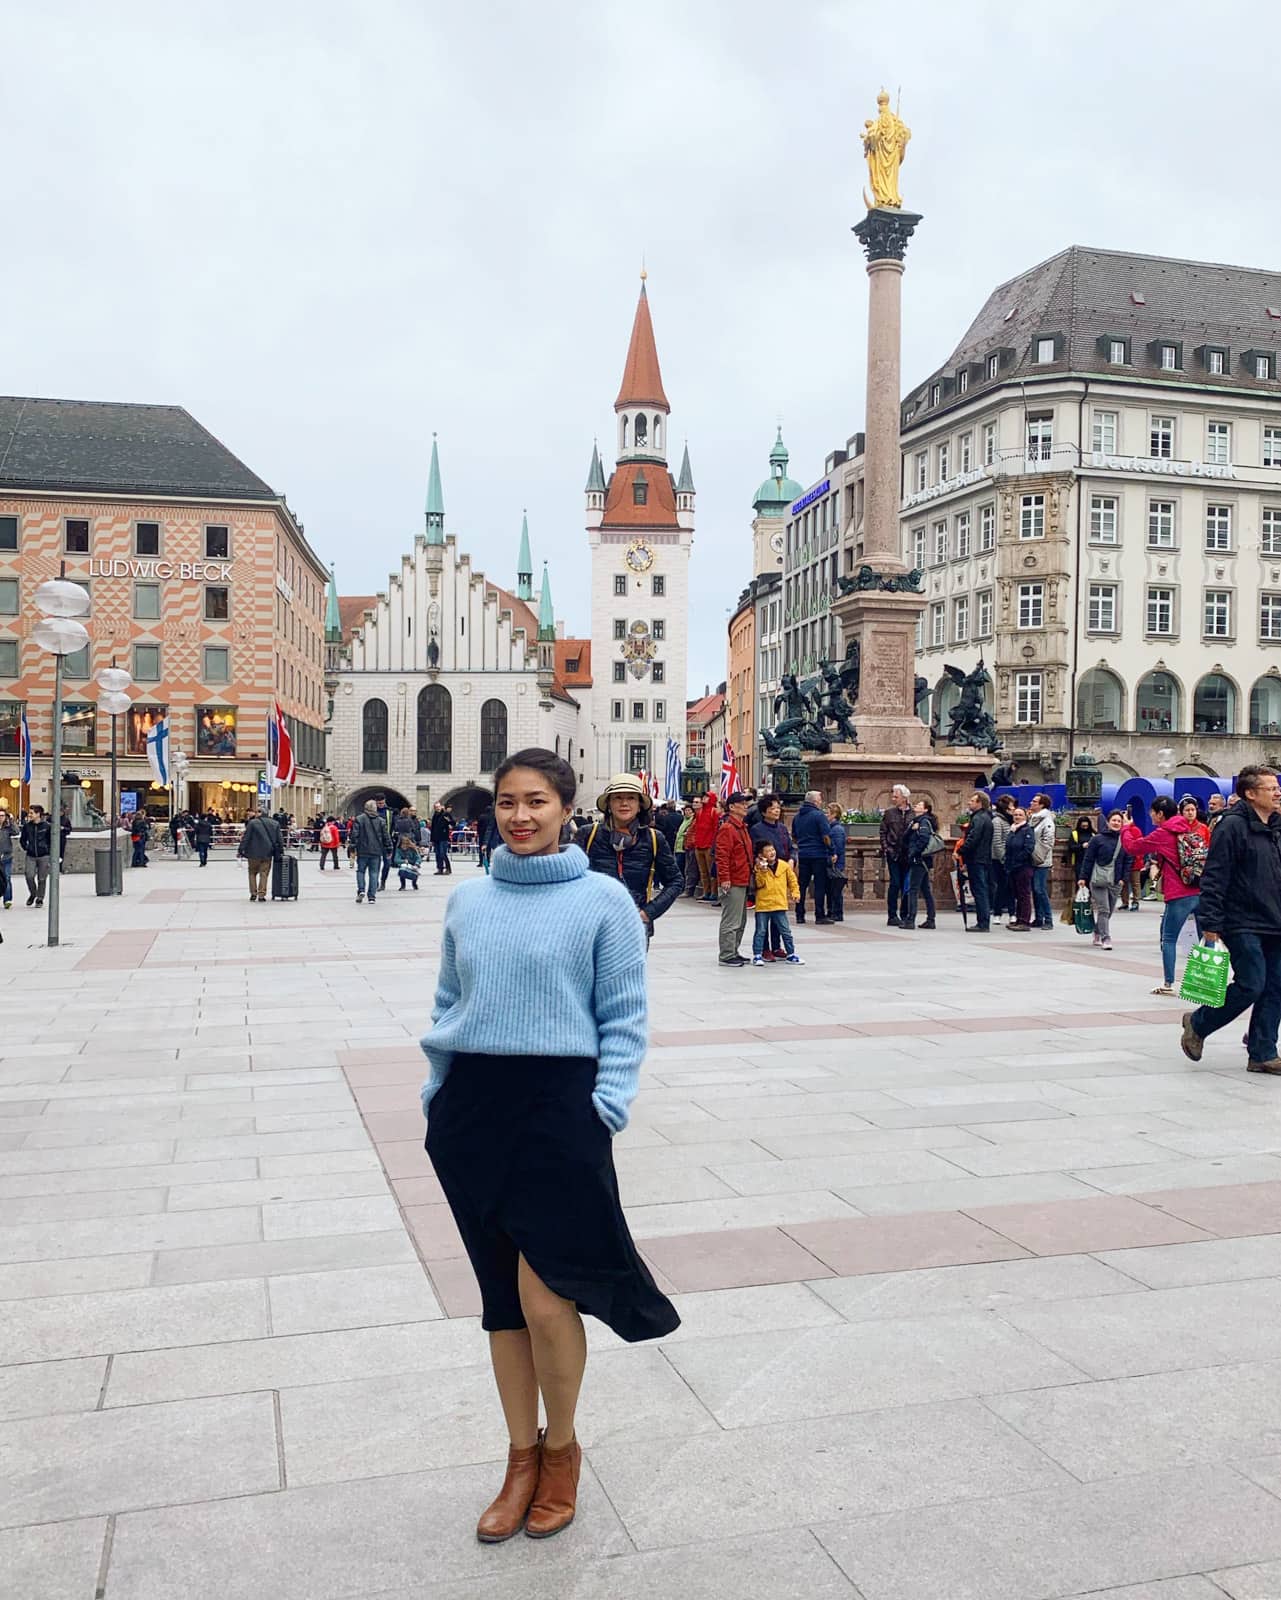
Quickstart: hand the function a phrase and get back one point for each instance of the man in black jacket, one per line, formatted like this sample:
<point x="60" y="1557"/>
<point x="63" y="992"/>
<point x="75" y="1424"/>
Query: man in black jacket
<point x="896" y="819"/>
<point x="36" y="839"/>
<point x="976" y="853"/>
<point x="260" y="843"/>
<point x="1241" y="904"/>
<point x="439" y="828"/>
<point x="371" y="841"/>
<point x="626" y="845"/>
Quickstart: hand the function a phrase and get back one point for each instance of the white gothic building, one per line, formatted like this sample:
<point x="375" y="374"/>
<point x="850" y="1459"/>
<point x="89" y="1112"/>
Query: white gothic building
<point x="437" y="680"/>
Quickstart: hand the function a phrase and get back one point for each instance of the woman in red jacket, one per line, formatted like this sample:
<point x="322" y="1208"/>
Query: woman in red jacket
<point x="1181" y="898"/>
<point x="703" y="833"/>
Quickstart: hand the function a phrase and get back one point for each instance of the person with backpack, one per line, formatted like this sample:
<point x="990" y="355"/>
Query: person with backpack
<point x="329" y="842"/>
<point x="1181" y="854"/>
<point x="1190" y="811"/>
<point x="1105" y="866"/>
<point x="919" y="851"/>
<point x="627" y="846"/>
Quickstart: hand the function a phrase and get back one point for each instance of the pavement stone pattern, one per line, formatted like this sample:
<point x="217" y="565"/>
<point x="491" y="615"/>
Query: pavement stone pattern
<point x="979" y="1276"/>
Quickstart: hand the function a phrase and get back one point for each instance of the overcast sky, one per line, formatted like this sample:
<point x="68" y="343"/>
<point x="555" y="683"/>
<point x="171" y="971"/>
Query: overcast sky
<point x="329" y="229"/>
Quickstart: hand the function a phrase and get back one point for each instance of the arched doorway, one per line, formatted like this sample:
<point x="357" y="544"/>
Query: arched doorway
<point x="470" y="803"/>
<point x="356" y="799"/>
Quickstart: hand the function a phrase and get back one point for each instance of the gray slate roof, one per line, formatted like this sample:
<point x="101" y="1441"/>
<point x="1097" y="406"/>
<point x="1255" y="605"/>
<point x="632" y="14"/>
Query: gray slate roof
<point x="1084" y="295"/>
<point x="105" y="447"/>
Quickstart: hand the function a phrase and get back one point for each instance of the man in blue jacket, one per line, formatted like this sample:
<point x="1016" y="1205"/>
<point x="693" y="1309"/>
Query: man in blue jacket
<point x="813" y="852"/>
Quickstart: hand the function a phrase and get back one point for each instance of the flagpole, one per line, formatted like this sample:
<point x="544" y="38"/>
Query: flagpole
<point x="55" y="823"/>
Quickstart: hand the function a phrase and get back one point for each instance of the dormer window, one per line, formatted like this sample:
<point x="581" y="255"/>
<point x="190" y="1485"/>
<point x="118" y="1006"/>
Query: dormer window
<point x="1263" y="366"/>
<point x="1169" y="358"/>
<point x="993" y="366"/>
<point x="1116" y="352"/>
<point x="1044" y="350"/>
<point x="1215" y="359"/>
<point x="936" y="393"/>
<point x="962" y="380"/>
<point x="640" y="492"/>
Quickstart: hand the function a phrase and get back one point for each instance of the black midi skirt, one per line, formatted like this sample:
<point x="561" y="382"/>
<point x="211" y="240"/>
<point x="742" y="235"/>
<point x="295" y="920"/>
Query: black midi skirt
<point x="527" y="1167"/>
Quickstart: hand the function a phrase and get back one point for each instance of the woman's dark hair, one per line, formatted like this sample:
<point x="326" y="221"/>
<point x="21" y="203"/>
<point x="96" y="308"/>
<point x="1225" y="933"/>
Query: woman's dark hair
<point x="1116" y="811"/>
<point x="1163" y="807"/>
<point x="557" y="771"/>
<point x="1191" y="800"/>
<point x="766" y="801"/>
<point x="1006" y="803"/>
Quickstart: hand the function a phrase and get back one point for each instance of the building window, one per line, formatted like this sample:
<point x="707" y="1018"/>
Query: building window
<point x="616" y="710"/>
<point x="962" y="380"/>
<point x="1032" y="517"/>
<point x="217" y="602"/>
<point x="146" y="538"/>
<point x="922" y="470"/>
<point x="944" y="462"/>
<point x="77" y="664"/>
<point x="1272" y="447"/>
<point x="1161" y="438"/>
<point x="658" y="628"/>
<point x="1218" y="527"/>
<point x="216" y="731"/>
<point x="493" y="735"/>
<point x="1044" y="350"/>
<point x="620" y="583"/>
<point x="640" y="489"/>
<point x="1103" y="432"/>
<point x="1040" y="435"/>
<point x="962" y="534"/>
<point x="1270" y="531"/>
<point x="660" y="710"/>
<point x="217" y="664"/>
<point x="918" y="548"/>
<point x="1160" y="524"/>
<point x="1218" y="443"/>
<point x="1160" y="611"/>
<point x="79" y="720"/>
<point x="920" y="642"/>
<point x="1270" y="616"/>
<point x="217" y="544"/>
<point x="961" y="619"/>
<point x="638" y="711"/>
<point x="620" y="672"/>
<point x="146" y="663"/>
<point x="658" y="672"/>
<point x="638" y="757"/>
<point x="993" y="366"/>
<point x="1214" y="705"/>
<point x="76" y="536"/>
<point x="1218" y="613"/>
<point x="1263" y="366"/>
<point x="1031" y="605"/>
<point x="940" y="542"/>
<point x="938" y="623"/>
<point x="435" y="731"/>
<point x="1101" y="608"/>
<point x="8" y="597"/>
<point x="8" y="533"/>
<point x="1158" y="703"/>
<point x="620" y="627"/>
<point x="1103" y="518"/>
<point x="1215" y="362"/>
<point x="966" y="451"/>
<point x="1169" y="358"/>
<point x="8" y="658"/>
<point x="373" y="730"/>
<point x="989" y="443"/>
<point x="1027" y="697"/>
<point x="1116" y="352"/>
<point x="987" y="527"/>
<point x="658" y="585"/>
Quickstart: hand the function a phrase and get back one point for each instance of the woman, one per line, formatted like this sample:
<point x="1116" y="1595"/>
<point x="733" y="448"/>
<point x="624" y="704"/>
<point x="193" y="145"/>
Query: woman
<point x="538" y="1032"/>
<point x="920" y="831"/>
<point x="687" y="817"/>
<point x="836" y="891"/>
<point x="1002" y="902"/>
<point x="771" y="829"/>
<point x="703" y="834"/>
<point x="1103" y="869"/>
<point x="1020" y="845"/>
<point x="1181" y="898"/>
<point x="1191" y="813"/>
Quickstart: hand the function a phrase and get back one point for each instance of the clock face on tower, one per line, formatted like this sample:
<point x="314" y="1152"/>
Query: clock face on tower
<point x="776" y="543"/>
<point x="639" y="557"/>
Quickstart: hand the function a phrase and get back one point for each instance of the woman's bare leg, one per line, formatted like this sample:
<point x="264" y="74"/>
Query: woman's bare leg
<point x="559" y="1348"/>
<point x="513" y="1360"/>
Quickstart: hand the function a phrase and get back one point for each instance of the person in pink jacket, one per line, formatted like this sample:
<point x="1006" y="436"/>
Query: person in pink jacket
<point x="1181" y="899"/>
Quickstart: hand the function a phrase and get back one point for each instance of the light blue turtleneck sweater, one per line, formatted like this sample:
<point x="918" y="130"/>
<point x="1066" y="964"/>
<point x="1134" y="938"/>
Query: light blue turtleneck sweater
<point x="543" y="958"/>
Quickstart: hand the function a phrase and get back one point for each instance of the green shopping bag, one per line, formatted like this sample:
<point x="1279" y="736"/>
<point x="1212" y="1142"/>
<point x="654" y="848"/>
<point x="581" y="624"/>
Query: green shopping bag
<point x="1083" y="912"/>
<point x="1205" y="978"/>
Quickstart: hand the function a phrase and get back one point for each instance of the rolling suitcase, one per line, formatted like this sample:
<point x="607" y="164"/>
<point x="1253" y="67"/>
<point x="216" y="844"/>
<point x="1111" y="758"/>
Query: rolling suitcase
<point x="284" y="877"/>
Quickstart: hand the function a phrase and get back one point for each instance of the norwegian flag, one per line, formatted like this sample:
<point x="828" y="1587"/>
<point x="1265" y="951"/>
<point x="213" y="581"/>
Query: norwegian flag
<point x="729" y="770"/>
<point x="280" y="749"/>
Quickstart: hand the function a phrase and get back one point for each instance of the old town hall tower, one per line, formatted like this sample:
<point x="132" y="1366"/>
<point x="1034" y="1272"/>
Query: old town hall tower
<point x="640" y="525"/>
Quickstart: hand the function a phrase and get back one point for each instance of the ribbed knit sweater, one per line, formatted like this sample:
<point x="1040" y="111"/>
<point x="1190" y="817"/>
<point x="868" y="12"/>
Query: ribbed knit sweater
<point x="543" y="958"/>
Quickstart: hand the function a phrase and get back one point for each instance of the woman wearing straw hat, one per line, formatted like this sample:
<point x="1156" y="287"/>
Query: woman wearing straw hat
<point x="627" y="846"/>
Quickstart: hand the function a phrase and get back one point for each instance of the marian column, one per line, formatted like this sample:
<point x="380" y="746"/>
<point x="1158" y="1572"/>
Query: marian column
<point x="883" y="620"/>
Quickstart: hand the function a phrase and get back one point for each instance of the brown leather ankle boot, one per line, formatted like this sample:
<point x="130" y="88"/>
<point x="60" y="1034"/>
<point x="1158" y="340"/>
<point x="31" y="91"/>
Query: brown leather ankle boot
<point x="506" y="1516"/>
<point x="557" y="1496"/>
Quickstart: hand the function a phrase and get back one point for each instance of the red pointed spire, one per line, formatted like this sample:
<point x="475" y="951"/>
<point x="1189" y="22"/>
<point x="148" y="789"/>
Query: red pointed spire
<point x="642" y="383"/>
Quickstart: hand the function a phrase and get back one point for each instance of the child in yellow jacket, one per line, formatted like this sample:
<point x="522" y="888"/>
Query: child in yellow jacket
<point x="776" y="889"/>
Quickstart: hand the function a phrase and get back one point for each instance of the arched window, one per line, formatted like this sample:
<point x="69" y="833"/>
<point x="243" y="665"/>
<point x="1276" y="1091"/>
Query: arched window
<point x="641" y="433"/>
<point x="1214" y="705"/>
<point x="493" y="735"/>
<point x="946" y="695"/>
<point x="557" y="747"/>
<point x="622" y="422"/>
<point x="658" y="433"/>
<point x="435" y="729"/>
<point x="1265" y="706"/>
<point x="1100" y="700"/>
<point x="373" y="728"/>
<point x="1157" y="707"/>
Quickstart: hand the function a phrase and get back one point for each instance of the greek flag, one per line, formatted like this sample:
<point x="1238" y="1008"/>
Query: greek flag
<point x="158" y="750"/>
<point x="672" y="776"/>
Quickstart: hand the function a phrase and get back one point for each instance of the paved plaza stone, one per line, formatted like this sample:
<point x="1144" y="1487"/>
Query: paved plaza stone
<point x="980" y="1278"/>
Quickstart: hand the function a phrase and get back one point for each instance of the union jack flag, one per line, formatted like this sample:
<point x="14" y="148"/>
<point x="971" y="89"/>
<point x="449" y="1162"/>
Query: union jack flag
<point x="729" y="770"/>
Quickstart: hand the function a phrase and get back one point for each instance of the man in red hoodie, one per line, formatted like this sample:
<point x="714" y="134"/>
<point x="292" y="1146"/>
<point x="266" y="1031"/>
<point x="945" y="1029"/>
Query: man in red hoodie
<point x="703" y="833"/>
<point x="1181" y="896"/>
<point x="734" y="853"/>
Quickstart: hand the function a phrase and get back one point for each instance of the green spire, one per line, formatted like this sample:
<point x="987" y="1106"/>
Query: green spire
<point x="595" y="477"/>
<point x="333" y="621"/>
<point x="778" y="455"/>
<point x="546" y="616"/>
<point x="524" y="563"/>
<point x="435" y="500"/>
<point x="685" y="484"/>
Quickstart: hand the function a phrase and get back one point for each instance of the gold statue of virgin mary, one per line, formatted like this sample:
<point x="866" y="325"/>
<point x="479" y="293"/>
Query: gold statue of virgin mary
<point x="885" y="146"/>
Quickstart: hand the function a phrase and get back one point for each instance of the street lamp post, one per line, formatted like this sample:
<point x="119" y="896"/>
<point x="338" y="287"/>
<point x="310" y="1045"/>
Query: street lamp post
<point x="113" y="698"/>
<point x="60" y="634"/>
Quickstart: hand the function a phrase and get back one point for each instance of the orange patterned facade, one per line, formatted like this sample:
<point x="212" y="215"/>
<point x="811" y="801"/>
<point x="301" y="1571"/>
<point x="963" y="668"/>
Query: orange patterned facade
<point x="160" y="573"/>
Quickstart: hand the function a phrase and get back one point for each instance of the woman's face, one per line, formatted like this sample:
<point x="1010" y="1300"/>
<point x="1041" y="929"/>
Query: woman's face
<point x="623" y="809"/>
<point x="1188" y="808"/>
<point x="773" y="811"/>
<point x="529" y="813"/>
<point x="1116" y="822"/>
<point x="920" y="807"/>
<point x="1019" y="814"/>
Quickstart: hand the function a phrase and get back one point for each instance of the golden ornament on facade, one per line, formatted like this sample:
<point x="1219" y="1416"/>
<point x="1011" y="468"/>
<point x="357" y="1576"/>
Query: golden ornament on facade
<point x="885" y="141"/>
